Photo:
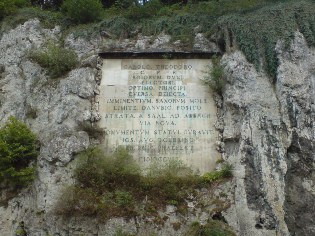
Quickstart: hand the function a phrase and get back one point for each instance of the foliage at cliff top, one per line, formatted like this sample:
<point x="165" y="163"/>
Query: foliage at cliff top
<point x="18" y="150"/>
<point x="8" y="7"/>
<point x="258" y="32"/>
<point x="82" y="11"/>
<point x="254" y="25"/>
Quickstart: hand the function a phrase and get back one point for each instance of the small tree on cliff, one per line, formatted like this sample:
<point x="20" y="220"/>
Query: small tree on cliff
<point x="18" y="148"/>
<point x="82" y="11"/>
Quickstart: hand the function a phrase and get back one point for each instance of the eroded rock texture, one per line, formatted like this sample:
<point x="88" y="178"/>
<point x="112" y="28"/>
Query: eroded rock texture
<point x="269" y="137"/>
<point x="267" y="134"/>
<point x="52" y="108"/>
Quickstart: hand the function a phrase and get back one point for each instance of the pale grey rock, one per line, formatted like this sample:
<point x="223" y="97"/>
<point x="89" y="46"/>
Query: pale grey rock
<point x="87" y="47"/>
<point x="267" y="134"/>
<point x="143" y="42"/>
<point x="95" y="116"/>
<point x="64" y="144"/>
<point x="16" y="43"/>
<point x="82" y="46"/>
<point x="80" y="82"/>
<point x="52" y="108"/>
<point x="296" y="90"/>
<point x="177" y="44"/>
<point x="269" y="139"/>
<point x="197" y="29"/>
<point x="251" y="134"/>
<point x="203" y="44"/>
<point x="161" y="42"/>
<point x="90" y="61"/>
<point x="126" y="44"/>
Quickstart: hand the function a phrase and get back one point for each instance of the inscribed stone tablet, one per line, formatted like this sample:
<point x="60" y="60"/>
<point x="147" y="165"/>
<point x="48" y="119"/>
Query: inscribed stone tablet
<point x="160" y="110"/>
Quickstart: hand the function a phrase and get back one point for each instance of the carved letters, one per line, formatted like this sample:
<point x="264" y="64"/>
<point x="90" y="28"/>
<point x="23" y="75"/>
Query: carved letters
<point x="159" y="110"/>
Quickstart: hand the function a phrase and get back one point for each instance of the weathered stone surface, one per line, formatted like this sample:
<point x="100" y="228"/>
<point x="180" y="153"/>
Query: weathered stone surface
<point x="266" y="131"/>
<point x="52" y="108"/>
<point x="269" y="138"/>
<point x="296" y="91"/>
<point x="160" y="110"/>
<point x="250" y="109"/>
<point x="203" y="44"/>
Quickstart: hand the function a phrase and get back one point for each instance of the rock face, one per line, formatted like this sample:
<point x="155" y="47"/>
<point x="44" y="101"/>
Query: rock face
<point x="267" y="133"/>
<point x="269" y="138"/>
<point x="296" y="90"/>
<point x="52" y="108"/>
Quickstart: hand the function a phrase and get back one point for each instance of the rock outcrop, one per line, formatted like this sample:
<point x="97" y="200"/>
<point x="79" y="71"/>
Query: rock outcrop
<point x="269" y="138"/>
<point x="267" y="134"/>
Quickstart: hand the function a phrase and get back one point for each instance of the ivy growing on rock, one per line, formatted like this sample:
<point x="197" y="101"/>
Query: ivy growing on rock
<point x="258" y="32"/>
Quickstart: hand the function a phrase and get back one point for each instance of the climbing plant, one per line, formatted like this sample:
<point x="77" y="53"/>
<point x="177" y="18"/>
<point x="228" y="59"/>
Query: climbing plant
<point x="257" y="33"/>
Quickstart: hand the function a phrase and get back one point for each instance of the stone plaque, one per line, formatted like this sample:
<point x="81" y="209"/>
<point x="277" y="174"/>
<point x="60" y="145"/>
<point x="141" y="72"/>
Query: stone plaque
<point x="160" y="110"/>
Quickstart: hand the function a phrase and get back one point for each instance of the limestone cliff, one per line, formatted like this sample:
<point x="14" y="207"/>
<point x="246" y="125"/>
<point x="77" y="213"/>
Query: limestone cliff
<point x="267" y="133"/>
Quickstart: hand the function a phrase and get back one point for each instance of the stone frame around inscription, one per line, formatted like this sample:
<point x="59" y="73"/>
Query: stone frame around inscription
<point x="160" y="109"/>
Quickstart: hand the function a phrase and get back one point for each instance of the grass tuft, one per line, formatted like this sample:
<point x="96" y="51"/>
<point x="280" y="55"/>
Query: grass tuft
<point x="56" y="59"/>
<point x="114" y="186"/>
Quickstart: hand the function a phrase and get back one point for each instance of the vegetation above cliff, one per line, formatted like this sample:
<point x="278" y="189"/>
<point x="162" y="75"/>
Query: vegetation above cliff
<point x="257" y="33"/>
<point x="253" y="26"/>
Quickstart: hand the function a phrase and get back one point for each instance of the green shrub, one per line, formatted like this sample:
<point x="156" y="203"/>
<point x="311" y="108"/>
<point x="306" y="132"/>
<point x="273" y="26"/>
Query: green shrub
<point x="124" y="4"/>
<point x="212" y="228"/>
<point x="106" y="172"/>
<point x="146" y="11"/>
<point x="171" y="181"/>
<point x="215" y="76"/>
<point x="83" y="11"/>
<point x="225" y="172"/>
<point x="20" y="231"/>
<point x="123" y="198"/>
<point x="78" y="201"/>
<point x="55" y="59"/>
<point x="119" y="186"/>
<point x="48" y="19"/>
<point x="21" y="3"/>
<point x="8" y="7"/>
<point x="173" y="168"/>
<point x="18" y="148"/>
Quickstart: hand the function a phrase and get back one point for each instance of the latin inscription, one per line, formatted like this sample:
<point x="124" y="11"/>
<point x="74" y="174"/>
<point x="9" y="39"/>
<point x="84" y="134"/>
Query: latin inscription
<point x="159" y="110"/>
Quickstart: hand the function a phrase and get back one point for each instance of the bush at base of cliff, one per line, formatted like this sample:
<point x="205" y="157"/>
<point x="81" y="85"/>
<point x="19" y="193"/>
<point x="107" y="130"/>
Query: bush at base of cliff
<point x="18" y="149"/>
<point x="56" y="59"/>
<point x="113" y="186"/>
<point x="83" y="11"/>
